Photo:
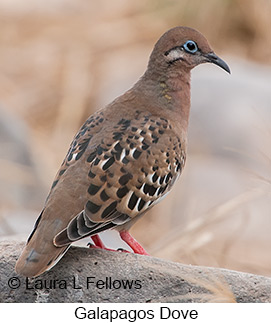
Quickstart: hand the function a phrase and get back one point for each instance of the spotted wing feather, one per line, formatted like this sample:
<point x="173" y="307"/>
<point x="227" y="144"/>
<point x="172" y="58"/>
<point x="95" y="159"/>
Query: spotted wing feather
<point x="128" y="173"/>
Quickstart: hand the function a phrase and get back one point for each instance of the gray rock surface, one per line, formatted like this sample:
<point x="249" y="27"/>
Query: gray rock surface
<point x="91" y="275"/>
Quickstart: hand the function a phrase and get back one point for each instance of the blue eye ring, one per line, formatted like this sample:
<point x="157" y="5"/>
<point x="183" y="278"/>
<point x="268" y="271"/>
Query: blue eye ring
<point x="190" y="47"/>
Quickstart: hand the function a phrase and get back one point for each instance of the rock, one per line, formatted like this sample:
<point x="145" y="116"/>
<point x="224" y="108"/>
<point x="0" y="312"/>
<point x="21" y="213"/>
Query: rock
<point x="91" y="275"/>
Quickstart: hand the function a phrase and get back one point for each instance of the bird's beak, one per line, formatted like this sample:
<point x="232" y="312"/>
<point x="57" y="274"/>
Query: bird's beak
<point x="213" y="58"/>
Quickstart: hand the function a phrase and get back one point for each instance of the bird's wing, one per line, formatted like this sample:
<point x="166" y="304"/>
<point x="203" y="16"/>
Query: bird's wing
<point x="129" y="170"/>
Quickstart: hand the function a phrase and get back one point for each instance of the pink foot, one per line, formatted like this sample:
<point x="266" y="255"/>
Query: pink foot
<point x="98" y="241"/>
<point x="137" y="248"/>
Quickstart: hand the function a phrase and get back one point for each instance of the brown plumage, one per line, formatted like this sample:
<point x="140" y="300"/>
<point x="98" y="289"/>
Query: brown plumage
<point x="125" y="157"/>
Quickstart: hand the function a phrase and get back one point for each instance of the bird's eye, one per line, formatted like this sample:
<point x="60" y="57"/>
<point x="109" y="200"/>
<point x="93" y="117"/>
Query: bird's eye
<point x="190" y="46"/>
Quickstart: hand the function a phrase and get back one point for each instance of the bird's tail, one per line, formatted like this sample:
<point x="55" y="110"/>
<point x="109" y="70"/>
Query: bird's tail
<point x="40" y="254"/>
<point x="33" y="263"/>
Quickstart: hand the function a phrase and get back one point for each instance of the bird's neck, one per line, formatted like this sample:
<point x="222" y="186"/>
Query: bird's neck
<point x="168" y="93"/>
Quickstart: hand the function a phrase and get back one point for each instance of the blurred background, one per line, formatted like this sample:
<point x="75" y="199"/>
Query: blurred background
<point x="61" y="60"/>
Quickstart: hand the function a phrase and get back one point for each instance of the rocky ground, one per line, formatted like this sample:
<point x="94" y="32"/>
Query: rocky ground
<point x="87" y="275"/>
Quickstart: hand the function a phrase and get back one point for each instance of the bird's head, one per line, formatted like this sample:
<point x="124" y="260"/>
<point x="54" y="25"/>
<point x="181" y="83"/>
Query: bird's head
<point x="183" y="48"/>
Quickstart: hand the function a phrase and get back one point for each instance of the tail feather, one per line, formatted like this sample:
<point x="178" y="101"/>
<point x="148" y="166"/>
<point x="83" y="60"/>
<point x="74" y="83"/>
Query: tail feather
<point x="40" y="254"/>
<point x="33" y="263"/>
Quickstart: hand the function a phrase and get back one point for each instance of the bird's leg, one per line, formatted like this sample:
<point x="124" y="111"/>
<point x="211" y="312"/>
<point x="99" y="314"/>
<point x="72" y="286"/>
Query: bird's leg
<point x="137" y="248"/>
<point x="98" y="241"/>
<point x="98" y="244"/>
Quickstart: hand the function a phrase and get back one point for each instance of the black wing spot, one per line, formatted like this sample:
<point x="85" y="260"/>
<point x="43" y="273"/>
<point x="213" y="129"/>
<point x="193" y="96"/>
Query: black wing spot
<point x="125" y="123"/>
<point x="93" y="189"/>
<point x="91" y="175"/>
<point x="109" y="210"/>
<point x="117" y="154"/>
<point x="121" y="192"/>
<point x="141" y="204"/>
<point x="124" y="179"/>
<point x="82" y="147"/>
<point x="149" y="189"/>
<point x="104" y="196"/>
<point x="103" y="178"/>
<point x="70" y="155"/>
<point x="117" y="135"/>
<point x="91" y="157"/>
<point x="96" y="161"/>
<point x="108" y="163"/>
<point x="144" y="145"/>
<point x="132" y="201"/>
<point x="154" y="177"/>
<point x="146" y="188"/>
<point x="100" y="150"/>
<point x="161" y="180"/>
<point x="92" y="207"/>
<point x="118" y="147"/>
<point x="178" y="167"/>
<point x="137" y="154"/>
<point x="160" y="191"/>
<point x="125" y="161"/>
<point x="152" y="190"/>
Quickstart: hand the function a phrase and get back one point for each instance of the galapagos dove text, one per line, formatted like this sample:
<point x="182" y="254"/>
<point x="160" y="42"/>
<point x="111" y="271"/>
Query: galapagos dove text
<point x="164" y="312"/>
